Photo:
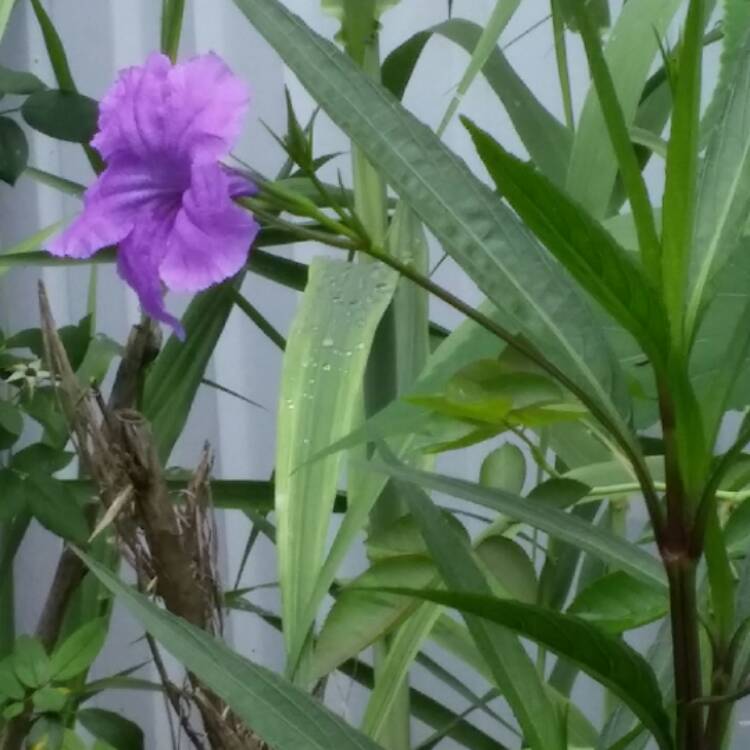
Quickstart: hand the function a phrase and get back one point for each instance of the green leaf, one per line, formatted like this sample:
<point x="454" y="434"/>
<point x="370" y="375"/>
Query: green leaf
<point x="336" y="7"/>
<point x="618" y="602"/>
<point x="476" y="228"/>
<point x="12" y="710"/>
<point x="51" y="503"/>
<point x="30" y="662"/>
<point x="78" y="651"/>
<point x="612" y="477"/>
<point x="11" y="424"/>
<point x="174" y="378"/>
<point x="29" y="244"/>
<point x="39" y="458"/>
<point x="10" y="687"/>
<point x="359" y="618"/>
<point x="12" y="494"/>
<point x="622" y="721"/>
<point x="392" y="673"/>
<point x="607" y="547"/>
<point x="286" y="717"/>
<point x="505" y="468"/>
<point x="483" y="49"/>
<point x="510" y="565"/>
<point x="14" y="151"/>
<point x="545" y="138"/>
<point x="589" y="253"/>
<point x="324" y="365"/>
<point x="18" y="82"/>
<point x="723" y="197"/>
<point x="64" y="115"/>
<point x="593" y="164"/>
<point x="6" y="6"/>
<point x="115" y="730"/>
<point x="597" y="9"/>
<point x="511" y="667"/>
<point x="49" y="700"/>
<point x="678" y="205"/>
<point x="605" y="658"/>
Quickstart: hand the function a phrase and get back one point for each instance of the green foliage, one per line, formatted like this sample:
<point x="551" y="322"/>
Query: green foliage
<point x="65" y="115"/>
<point x="14" y="151"/>
<point x="117" y="731"/>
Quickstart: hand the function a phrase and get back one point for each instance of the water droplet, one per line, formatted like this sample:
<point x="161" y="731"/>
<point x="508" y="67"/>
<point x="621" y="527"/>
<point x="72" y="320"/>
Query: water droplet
<point x="326" y="367"/>
<point x="327" y="342"/>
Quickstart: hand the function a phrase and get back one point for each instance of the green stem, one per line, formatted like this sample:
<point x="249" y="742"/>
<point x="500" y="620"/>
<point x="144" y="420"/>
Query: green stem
<point x="173" y="11"/>
<point x="561" y="56"/>
<point x="686" y="652"/>
<point x="680" y="561"/>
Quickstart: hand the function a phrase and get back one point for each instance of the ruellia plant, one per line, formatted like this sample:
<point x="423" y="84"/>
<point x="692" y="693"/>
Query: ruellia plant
<point x="603" y="382"/>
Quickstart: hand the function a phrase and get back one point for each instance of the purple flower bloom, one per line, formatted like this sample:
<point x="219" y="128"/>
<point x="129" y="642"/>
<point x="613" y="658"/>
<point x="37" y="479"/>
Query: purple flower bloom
<point x="164" y="199"/>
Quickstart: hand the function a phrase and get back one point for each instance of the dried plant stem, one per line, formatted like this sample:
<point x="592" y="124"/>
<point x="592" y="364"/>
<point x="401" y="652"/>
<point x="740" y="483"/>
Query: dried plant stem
<point x="171" y="545"/>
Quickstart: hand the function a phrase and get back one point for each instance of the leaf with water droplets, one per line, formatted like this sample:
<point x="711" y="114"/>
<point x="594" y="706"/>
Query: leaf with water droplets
<point x="324" y="365"/>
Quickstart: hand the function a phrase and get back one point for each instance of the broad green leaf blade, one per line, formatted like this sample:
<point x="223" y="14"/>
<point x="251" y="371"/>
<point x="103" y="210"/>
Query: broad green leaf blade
<point x="284" y="716"/>
<point x="62" y="114"/>
<point x="678" y="205"/>
<point x="176" y="375"/>
<point x="593" y="164"/>
<point x="723" y="196"/>
<point x="610" y="548"/>
<point x="605" y="658"/>
<point x="511" y="667"/>
<point x="545" y="138"/>
<point x="359" y="618"/>
<point x="579" y="242"/>
<point x="504" y="467"/>
<point x="617" y="602"/>
<point x="324" y="365"/>
<point x="477" y="229"/>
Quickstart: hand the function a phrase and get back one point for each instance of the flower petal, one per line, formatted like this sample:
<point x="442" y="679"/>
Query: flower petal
<point x="138" y="262"/>
<point x="114" y="202"/>
<point x="206" y="105"/>
<point x="132" y="113"/>
<point x="211" y="236"/>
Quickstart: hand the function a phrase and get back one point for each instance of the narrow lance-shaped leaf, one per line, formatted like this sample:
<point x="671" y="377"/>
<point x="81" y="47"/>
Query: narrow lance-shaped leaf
<point x="511" y="667"/>
<point x="605" y="658"/>
<point x="579" y="242"/>
<point x="723" y="193"/>
<point x="593" y="164"/>
<point x="486" y="43"/>
<point x="177" y="373"/>
<point x="545" y="138"/>
<point x="477" y="229"/>
<point x="284" y="716"/>
<point x="678" y="210"/>
<point x="610" y="548"/>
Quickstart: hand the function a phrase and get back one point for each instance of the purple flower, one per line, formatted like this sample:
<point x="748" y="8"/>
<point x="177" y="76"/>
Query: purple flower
<point x="164" y="199"/>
